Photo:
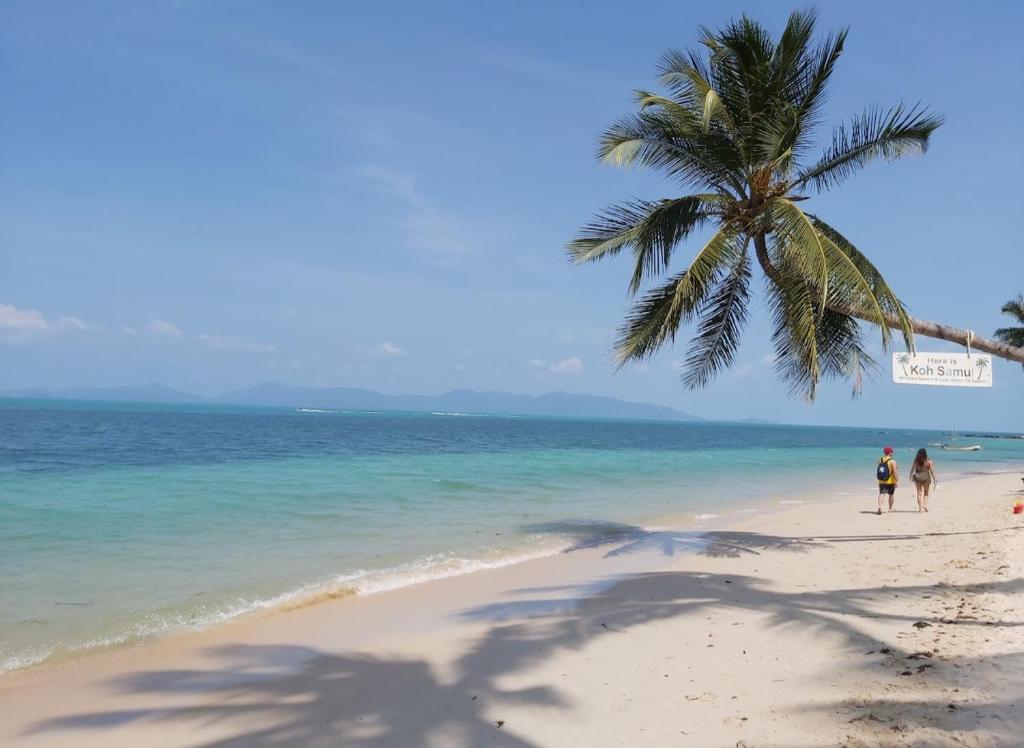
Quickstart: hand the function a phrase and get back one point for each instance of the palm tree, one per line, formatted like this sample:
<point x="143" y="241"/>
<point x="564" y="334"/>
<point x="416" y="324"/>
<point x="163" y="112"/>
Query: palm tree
<point x="904" y="361"/>
<point x="736" y="126"/>
<point x="980" y="364"/>
<point x="1013" y="335"/>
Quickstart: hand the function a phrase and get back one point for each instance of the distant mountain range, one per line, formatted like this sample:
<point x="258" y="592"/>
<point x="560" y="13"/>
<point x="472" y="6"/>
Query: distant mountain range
<point x="146" y="393"/>
<point x="352" y="398"/>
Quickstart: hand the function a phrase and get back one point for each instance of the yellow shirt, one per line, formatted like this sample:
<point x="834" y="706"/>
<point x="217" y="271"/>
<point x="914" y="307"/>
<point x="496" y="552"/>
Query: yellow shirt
<point x="891" y="480"/>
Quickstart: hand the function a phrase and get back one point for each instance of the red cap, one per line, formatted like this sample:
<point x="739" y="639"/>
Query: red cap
<point x="887" y="450"/>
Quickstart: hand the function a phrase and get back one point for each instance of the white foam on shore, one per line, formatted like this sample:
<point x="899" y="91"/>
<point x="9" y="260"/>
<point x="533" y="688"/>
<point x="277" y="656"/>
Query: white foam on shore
<point x="434" y="568"/>
<point x="24" y="660"/>
<point x="792" y="501"/>
<point x="357" y="583"/>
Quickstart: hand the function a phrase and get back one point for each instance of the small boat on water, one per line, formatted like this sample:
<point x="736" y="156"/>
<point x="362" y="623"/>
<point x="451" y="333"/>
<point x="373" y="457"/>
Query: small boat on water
<point x="958" y="447"/>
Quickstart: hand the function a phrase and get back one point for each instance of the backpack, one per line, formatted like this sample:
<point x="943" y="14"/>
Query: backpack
<point x="883" y="472"/>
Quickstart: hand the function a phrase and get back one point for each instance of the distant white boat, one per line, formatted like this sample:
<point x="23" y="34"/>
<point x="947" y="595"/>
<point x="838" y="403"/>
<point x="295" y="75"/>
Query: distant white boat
<point x="957" y="447"/>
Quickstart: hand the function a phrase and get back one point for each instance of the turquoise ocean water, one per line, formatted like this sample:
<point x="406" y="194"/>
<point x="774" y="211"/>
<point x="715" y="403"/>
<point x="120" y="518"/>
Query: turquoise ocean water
<point x="123" y="522"/>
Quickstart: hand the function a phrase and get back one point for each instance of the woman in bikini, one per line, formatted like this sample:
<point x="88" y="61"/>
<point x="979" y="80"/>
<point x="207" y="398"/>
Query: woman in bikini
<point x="922" y="473"/>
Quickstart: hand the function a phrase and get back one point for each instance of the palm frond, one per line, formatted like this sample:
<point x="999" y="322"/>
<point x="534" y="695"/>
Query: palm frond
<point x="843" y="280"/>
<point x="748" y="46"/>
<point x="722" y="318"/>
<point x="714" y="111"/>
<point x="776" y="140"/>
<point x="890" y="304"/>
<point x="674" y="108"/>
<point x="810" y="78"/>
<point x="892" y="134"/>
<point x="1013" y="335"/>
<point x="795" y="334"/>
<point x="860" y="367"/>
<point x="672" y="141"/>
<point x="811" y="347"/>
<point x="1015" y="308"/>
<point x="793" y="44"/>
<point x="800" y="78"/>
<point x="801" y="247"/>
<point x="654" y="320"/>
<point x="686" y="76"/>
<point x="841" y="350"/>
<point x="652" y="228"/>
<point x="689" y="80"/>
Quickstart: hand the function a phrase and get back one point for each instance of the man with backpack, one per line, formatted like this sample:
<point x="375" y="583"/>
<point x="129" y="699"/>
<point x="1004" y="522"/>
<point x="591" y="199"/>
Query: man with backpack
<point x="887" y="475"/>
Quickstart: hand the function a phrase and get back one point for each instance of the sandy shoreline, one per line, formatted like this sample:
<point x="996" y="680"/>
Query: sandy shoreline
<point x="793" y="627"/>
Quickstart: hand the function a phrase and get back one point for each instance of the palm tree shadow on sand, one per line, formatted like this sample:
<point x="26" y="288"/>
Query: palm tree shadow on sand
<point x="262" y="696"/>
<point x="635" y="539"/>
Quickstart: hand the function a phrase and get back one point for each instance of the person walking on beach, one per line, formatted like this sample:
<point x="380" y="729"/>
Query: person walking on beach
<point x="922" y="473"/>
<point x="887" y="478"/>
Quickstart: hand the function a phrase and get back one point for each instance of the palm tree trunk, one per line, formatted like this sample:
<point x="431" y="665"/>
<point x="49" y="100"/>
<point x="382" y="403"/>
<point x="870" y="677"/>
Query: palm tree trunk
<point x="958" y="335"/>
<point x="919" y="326"/>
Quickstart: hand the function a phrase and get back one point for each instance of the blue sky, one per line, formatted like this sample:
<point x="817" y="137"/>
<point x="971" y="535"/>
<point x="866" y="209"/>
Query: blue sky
<point x="215" y="194"/>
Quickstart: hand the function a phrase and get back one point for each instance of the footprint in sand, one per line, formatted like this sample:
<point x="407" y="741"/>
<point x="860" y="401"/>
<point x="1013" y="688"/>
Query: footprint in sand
<point x="705" y="697"/>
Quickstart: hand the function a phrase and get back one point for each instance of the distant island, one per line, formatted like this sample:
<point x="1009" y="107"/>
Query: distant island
<point x="276" y="394"/>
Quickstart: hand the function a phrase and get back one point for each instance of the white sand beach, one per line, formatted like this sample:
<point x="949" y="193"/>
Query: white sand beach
<point x="800" y="624"/>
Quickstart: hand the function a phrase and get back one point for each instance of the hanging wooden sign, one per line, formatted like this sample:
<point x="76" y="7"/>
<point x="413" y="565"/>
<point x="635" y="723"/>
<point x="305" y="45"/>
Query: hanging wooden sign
<point x="942" y="369"/>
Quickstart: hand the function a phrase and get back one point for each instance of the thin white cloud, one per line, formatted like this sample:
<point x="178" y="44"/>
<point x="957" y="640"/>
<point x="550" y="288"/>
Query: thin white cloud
<point x="530" y="64"/>
<point x="391" y="182"/>
<point x="387" y="348"/>
<point x="303" y="61"/>
<point x="383" y="348"/>
<point x="571" y="365"/>
<point x="72" y="323"/>
<point x="165" y="328"/>
<point x="749" y="369"/>
<point x="21" y="324"/>
<point x="537" y="363"/>
<point x="426" y="226"/>
<point x="226" y="343"/>
<point x="25" y="321"/>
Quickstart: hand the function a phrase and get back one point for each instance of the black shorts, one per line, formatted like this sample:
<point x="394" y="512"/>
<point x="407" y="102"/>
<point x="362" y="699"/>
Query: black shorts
<point x="889" y="488"/>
